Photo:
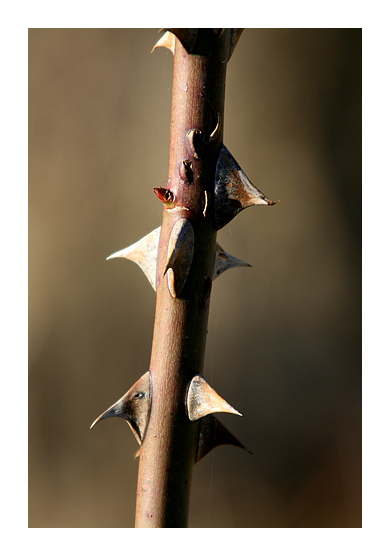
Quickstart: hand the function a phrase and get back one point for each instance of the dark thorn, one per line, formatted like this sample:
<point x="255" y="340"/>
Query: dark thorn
<point x="212" y="433"/>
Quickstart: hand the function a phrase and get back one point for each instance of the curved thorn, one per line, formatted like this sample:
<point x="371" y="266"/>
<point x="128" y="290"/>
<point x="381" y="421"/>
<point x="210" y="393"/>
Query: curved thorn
<point x="167" y="40"/>
<point x="144" y="253"/>
<point x="233" y="191"/>
<point x="133" y="407"/>
<point x="203" y="400"/>
<point x="187" y="37"/>
<point x="212" y="434"/>
<point x="224" y="261"/>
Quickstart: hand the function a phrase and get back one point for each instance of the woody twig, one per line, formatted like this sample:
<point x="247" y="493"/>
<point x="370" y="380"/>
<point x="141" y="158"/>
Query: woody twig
<point x="170" y="409"/>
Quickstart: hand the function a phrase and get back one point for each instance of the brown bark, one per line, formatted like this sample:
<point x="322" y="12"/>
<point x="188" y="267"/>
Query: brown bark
<point x="169" y="449"/>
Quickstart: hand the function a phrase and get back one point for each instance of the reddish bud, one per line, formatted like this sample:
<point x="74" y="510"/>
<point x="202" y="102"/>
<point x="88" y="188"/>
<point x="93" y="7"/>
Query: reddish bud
<point x="165" y="195"/>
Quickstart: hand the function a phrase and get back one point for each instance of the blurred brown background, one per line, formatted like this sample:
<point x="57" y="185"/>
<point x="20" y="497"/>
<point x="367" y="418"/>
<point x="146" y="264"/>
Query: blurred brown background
<point x="284" y="343"/>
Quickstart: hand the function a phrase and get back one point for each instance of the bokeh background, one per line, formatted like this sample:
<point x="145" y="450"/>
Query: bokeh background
<point x="284" y="342"/>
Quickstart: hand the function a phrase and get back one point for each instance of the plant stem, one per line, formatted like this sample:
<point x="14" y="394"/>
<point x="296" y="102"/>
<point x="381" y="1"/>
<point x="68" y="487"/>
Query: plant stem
<point x="170" y="408"/>
<point x="168" y="451"/>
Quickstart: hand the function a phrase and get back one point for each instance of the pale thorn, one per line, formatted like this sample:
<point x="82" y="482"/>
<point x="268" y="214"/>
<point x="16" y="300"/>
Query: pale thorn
<point x="179" y="255"/>
<point x="233" y="191"/>
<point x="203" y="400"/>
<point x="167" y="40"/>
<point x="212" y="433"/>
<point x="224" y="261"/>
<point x="186" y="36"/>
<point x="133" y="407"/>
<point x="144" y="253"/>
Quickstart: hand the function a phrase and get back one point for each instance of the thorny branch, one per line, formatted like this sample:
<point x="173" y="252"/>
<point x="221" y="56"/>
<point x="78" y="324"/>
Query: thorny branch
<point x="170" y="408"/>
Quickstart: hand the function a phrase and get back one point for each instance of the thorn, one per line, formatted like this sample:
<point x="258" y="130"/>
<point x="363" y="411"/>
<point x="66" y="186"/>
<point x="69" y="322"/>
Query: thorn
<point x="224" y="261"/>
<point x="187" y="37"/>
<point x="167" y="40"/>
<point x="179" y="256"/>
<point x="144" y="253"/>
<point x="235" y="35"/>
<point x="212" y="433"/>
<point x="134" y="407"/>
<point x="233" y="191"/>
<point x="203" y="400"/>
